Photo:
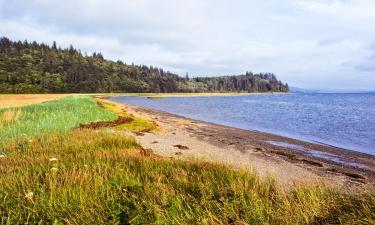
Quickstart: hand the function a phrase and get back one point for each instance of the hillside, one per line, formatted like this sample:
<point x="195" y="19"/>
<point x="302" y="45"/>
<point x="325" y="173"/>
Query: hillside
<point x="39" y="68"/>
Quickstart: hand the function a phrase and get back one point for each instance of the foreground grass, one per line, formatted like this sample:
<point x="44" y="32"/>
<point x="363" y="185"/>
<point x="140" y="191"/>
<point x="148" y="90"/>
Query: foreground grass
<point x="105" y="177"/>
<point x="102" y="178"/>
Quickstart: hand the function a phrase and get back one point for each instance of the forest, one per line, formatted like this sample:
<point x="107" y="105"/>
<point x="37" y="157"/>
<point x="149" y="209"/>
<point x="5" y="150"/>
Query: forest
<point x="31" y="67"/>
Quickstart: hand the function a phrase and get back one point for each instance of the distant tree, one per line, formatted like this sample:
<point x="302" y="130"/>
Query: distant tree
<point x="54" y="45"/>
<point x="36" y="68"/>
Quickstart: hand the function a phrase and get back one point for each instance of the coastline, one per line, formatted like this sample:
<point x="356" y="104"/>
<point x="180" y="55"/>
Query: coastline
<point x="200" y="94"/>
<point x="288" y="160"/>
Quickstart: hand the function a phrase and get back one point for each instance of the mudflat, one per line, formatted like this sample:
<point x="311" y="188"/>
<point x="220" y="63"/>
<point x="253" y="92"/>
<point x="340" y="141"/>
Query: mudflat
<point x="288" y="160"/>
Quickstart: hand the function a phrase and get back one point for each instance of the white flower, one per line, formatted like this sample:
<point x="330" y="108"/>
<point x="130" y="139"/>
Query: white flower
<point x="54" y="169"/>
<point x="29" y="196"/>
<point x="52" y="159"/>
<point x="2" y="156"/>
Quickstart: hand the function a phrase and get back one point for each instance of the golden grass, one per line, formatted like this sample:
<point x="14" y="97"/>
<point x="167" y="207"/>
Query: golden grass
<point x="139" y="124"/>
<point x="102" y="177"/>
<point x="15" y="100"/>
<point x="10" y="115"/>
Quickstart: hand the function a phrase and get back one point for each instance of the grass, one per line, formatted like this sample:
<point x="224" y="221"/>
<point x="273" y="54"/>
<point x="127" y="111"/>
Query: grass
<point x="85" y="176"/>
<point x="53" y="116"/>
<point x="8" y="101"/>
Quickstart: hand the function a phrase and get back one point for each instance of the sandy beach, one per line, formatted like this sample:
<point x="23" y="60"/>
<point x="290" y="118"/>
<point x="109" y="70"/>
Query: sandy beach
<point x="289" y="160"/>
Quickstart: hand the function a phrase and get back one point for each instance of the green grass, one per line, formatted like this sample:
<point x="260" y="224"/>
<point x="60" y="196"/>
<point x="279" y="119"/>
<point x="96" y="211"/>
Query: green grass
<point x="53" y="116"/>
<point x="103" y="177"/>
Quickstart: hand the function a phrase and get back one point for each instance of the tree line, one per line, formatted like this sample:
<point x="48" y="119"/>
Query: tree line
<point x="31" y="67"/>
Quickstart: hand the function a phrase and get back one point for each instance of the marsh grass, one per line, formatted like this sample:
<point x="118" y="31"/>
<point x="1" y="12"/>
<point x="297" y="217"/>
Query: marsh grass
<point x="52" y="116"/>
<point x="86" y="176"/>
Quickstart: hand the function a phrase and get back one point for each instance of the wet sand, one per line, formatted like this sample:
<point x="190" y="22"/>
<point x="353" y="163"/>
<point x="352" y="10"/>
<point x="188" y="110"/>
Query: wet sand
<point x="288" y="160"/>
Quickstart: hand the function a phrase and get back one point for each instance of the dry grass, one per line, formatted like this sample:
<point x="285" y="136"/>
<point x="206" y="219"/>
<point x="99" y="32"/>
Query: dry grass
<point x="12" y="100"/>
<point x="10" y="115"/>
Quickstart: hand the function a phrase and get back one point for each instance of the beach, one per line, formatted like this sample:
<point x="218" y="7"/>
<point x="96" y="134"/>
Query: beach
<point x="267" y="154"/>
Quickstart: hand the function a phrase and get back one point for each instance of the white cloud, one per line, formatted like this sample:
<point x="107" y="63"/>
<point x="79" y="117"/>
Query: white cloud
<point x="345" y="9"/>
<point x="305" y="42"/>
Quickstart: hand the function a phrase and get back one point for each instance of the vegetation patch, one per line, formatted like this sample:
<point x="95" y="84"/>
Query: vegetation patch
<point x="138" y="125"/>
<point x="52" y="116"/>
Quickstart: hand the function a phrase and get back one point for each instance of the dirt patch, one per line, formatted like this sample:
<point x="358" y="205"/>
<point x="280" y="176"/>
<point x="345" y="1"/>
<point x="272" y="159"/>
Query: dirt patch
<point x="182" y="147"/>
<point x="286" y="154"/>
<point x="355" y="176"/>
<point x="313" y="163"/>
<point x="104" y="124"/>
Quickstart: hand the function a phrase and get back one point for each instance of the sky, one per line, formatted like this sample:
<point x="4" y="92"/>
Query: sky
<point x="314" y="44"/>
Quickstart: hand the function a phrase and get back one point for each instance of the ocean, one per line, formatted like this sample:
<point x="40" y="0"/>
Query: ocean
<point x="341" y="120"/>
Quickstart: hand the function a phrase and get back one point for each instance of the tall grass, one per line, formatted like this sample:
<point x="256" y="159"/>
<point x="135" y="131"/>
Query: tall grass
<point x="102" y="178"/>
<point x="53" y="116"/>
<point x="61" y="176"/>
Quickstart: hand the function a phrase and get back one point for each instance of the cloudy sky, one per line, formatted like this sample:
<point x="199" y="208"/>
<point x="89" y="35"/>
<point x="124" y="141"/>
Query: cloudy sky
<point x="315" y="44"/>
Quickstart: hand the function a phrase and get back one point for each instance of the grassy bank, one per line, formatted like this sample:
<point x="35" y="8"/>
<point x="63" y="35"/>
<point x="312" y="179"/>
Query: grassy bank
<point x="85" y="176"/>
<point x="53" y="116"/>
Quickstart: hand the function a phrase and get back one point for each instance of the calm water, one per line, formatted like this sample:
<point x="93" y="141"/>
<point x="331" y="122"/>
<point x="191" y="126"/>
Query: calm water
<point x="343" y="120"/>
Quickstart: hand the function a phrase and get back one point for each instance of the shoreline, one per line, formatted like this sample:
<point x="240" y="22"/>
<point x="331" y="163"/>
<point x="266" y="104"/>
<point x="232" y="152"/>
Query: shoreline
<point x="287" y="159"/>
<point x="183" y="94"/>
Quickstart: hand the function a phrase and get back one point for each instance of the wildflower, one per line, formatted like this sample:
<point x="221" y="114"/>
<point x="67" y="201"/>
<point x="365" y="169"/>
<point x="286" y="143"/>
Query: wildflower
<point x="54" y="169"/>
<point x="85" y="165"/>
<point x="29" y="196"/>
<point x="2" y="156"/>
<point x="52" y="159"/>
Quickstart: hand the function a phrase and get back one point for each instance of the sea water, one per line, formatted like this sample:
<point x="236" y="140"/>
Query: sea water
<point x="341" y="120"/>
